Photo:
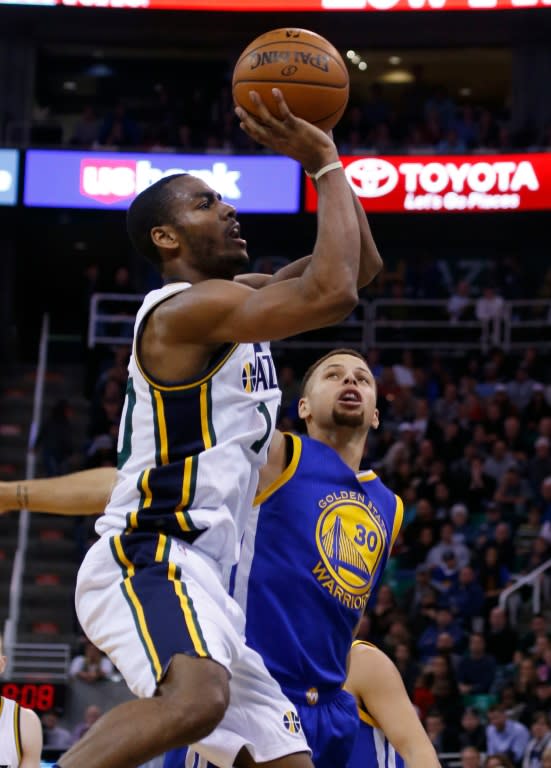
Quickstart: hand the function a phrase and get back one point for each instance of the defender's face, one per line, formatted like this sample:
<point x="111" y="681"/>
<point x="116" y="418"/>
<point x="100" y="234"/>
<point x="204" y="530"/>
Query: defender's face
<point x="341" y="392"/>
<point x="207" y="229"/>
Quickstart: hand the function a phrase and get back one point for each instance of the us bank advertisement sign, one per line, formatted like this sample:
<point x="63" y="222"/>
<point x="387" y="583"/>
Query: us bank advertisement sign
<point x="9" y="167"/>
<point x="111" y="180"/>
<point x="448" y="183"/>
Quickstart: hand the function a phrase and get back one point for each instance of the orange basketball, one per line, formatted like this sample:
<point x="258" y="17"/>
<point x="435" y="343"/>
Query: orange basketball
<point x="307" y="69"/>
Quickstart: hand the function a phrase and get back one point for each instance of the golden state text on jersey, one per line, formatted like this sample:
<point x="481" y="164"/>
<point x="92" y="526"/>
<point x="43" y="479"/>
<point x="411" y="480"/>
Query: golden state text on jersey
<point x="313" y="553"/>
<point x="190" y="452"/>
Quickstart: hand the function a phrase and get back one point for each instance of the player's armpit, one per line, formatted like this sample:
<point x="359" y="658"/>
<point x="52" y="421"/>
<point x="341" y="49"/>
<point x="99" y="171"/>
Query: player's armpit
<point x="31" y="739"/>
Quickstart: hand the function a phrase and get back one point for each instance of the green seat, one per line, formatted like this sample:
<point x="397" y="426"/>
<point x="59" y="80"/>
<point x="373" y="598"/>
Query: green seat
<point x="481" y="701"/>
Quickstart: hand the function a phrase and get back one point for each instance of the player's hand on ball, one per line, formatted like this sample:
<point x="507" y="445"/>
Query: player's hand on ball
<point x="288" y="134"/>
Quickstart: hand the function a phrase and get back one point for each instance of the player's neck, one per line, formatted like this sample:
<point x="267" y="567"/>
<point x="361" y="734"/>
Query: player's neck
<point x="346" y="441"/>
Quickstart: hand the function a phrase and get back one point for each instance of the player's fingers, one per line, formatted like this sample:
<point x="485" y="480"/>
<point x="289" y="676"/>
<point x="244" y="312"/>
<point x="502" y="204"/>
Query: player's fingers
<point x="282" y="106"/>
<point x="266" y="117"/>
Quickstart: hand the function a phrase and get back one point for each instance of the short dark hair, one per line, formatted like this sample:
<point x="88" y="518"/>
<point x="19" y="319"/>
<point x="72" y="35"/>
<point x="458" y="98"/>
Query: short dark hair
<point x="310" y="372"/>
<point x="151" y="208"/>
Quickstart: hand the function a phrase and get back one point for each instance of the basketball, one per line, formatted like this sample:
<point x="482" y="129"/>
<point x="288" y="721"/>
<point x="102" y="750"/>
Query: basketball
<point x="307" y="69"/>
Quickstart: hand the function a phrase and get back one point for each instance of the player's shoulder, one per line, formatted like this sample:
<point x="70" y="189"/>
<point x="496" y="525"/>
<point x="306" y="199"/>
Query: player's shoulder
<point x="28" y="716"/>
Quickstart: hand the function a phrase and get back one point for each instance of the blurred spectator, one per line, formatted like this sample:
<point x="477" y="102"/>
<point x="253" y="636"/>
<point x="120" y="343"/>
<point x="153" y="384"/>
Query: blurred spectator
<point x="439" y="554"/>
<point x="513" y="495"/>
<point x="473" y="732"/>
<point x="489" y="310"/>
<point x="506" y="736"/>
<point x="443" y="738"/>
<point x="477" y="670"/>
<point x="493" y="577"/>
<point x="56" y="439"/>
<point x="499" y="462"/>
<point x="443" y="624"/>
<point x="540" y="741"/>
<point x="520" y="388"/>
<point x="86" y="128"/>
<point x="119" y="129"/>
<point x="91" y="666"/>
<point x="408" y="668"/>
<point x="55" y="736"/>
<point x="498" y="761"/>
<point x="539" y="466"/>
<point x="466" y="600"/>
<point x="501" y="640"/>
<point x="91" y="714"/>
<point x="471" y="758"/>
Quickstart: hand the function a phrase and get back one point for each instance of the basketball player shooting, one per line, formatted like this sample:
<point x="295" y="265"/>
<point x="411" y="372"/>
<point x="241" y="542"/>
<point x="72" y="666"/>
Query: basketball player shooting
<point x="150" y="592"/>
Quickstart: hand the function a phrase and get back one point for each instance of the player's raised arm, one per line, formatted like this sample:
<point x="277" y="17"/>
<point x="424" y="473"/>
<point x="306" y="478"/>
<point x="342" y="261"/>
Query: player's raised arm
<point x="80" y="493"/>
<point x="376" y="683"/>
<point x="216" y="311"/>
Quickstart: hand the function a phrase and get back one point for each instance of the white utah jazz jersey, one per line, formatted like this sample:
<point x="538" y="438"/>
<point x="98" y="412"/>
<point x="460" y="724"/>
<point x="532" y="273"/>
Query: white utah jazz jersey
<point x="190" y="452"/>
<point x="10" y="734"/>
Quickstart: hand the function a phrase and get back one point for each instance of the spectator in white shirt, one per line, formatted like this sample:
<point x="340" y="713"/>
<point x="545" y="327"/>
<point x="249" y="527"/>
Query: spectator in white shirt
<point x="490" y="310"/>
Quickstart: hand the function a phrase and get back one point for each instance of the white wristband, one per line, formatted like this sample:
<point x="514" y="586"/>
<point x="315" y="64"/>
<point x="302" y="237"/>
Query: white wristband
<point x="322" y="171"/>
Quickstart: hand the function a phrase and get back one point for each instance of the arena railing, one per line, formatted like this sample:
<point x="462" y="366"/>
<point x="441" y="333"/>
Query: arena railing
<point x="422" y="324"/>
<point x="11" y="624"/>
<point x="534" y="581"/>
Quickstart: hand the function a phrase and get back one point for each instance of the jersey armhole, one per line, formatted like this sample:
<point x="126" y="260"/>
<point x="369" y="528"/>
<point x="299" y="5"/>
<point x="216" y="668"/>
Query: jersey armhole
<point x="293" y="450"/>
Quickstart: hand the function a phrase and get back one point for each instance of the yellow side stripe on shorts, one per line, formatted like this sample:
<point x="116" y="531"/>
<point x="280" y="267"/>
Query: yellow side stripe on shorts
<point x="161" y="423"/>
<point x="161" y="548"/>
<point x="189" y="617"/>
<point x="137" y="608"/>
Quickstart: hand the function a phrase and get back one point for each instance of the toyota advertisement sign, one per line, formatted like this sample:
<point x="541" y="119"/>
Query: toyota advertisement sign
<point x="111" y="180"/>
<point x="448" y="183"/>
<point x="9" y="167"/>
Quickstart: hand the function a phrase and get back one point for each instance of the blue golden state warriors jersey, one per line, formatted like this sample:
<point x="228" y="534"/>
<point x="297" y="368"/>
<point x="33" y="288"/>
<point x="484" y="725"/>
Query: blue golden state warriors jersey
<point x="314" y="549"/>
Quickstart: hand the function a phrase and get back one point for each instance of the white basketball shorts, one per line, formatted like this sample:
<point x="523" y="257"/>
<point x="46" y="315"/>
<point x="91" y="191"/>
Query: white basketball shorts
<point x="142" y="598"/>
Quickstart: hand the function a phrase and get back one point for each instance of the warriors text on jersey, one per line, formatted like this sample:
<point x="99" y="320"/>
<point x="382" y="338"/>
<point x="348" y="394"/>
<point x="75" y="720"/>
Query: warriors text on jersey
<point x="189" y="452"/>
<point x="10" y="734"/>
<point x="313" y="552"/>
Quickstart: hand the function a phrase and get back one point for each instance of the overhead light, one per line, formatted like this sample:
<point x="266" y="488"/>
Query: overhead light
<point x="465" y="91"/>
<point x="69" y="85"/>
<point x="350" y="54"/>
<point x="396" y="77"/>
<point x="362" y="65"/>
<point x="395" y="60"/>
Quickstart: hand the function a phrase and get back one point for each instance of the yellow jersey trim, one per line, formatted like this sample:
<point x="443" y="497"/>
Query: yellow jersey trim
<point x="17" y="730"/>
<point x="285" y="476"/>
<point x="192" y="384"/>
<point x="204" y="406"/>
<point x="366" y="476"/>
<point x="161" y="421"/>
<point x="398" y="520"/>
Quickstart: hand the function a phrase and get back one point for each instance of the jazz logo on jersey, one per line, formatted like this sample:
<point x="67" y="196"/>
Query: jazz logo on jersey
<point x="291" y="721"/>
<point x="350" y="536"/>
<point x="259" y="374"/>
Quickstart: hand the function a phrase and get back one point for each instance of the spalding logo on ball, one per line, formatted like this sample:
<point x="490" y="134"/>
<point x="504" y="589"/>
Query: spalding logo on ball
<point x="307" y="69"/>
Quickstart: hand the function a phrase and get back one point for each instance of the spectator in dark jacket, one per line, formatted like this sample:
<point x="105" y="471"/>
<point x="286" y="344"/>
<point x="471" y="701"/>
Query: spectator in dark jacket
<point x="477" y="670"/>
